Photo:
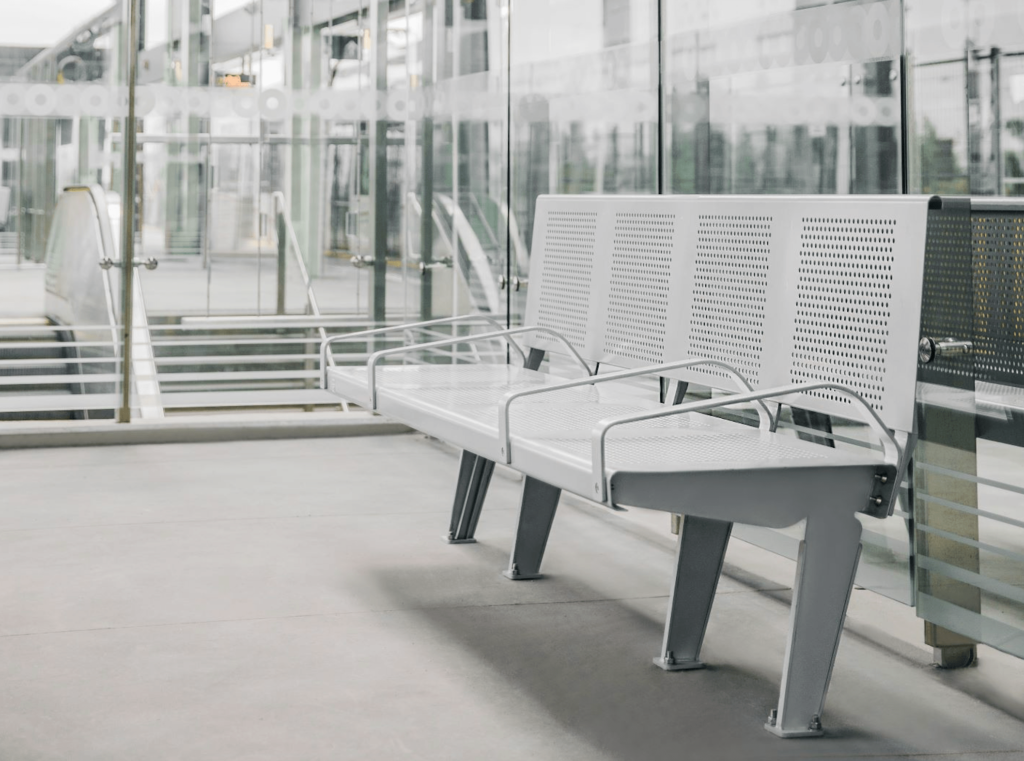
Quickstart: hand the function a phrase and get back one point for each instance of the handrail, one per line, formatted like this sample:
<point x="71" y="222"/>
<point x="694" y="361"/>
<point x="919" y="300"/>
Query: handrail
<point x="891" y="448"/>
<point x="767" y="421"/>
<point x="279" y="202"/>
<point x="280" y="206"/>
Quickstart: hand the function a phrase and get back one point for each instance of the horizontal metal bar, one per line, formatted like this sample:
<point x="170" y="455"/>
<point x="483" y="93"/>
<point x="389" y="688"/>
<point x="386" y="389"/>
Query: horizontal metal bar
<point x="48" y="326"/>
<point x="1019" y="557"/>
<point x="58" y="380"/>
<point x="202" y="341"/>
<point x="267" y="398"/>
<point x="970" y="477"/>
<point x="59" y="402"/>
<point x="37" y="361"/>
<point x="997" y="634"/>
<point x="239" y="375"/>
<point x="237" y="359"/>
<point x="987" y="583"/>
<point x="55" y="344"/>
<point x="967" y="509"/>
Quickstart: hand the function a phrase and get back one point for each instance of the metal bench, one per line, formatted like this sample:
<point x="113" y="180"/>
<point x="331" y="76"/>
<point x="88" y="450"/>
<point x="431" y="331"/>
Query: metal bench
<point x="809" y="301"/>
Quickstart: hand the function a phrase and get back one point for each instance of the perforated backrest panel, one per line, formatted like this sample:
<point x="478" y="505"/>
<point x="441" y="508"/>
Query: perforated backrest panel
<point x="729" y="291"/>
<point x="854" y="281"/>
<point x="844" y="304"/>
<point x="636" y="319"/>
<point x="568" y="269"/>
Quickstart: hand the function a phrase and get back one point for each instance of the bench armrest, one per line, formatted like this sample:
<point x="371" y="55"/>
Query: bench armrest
<point x="326" y="343"/>
<point x="504" y="434"/>
<point x="375" y="358"/>
<point x="893" y="452"/>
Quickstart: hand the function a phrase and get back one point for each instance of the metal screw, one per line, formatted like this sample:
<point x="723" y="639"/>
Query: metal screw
<point x="876" y="501"/>
<point x="670" y="658"/>
<point x="882" y="478"/>
<point x="815" y="725"/>
<point x="514" y="570"/>
<point x="773" y="717"/>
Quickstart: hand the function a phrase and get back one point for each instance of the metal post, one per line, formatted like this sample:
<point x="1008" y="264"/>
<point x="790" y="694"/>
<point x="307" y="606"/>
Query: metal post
<point x="379" y="158"/>
<point x="124" y="413"/>
<point x="427" y="179"/>
<point x="282" y="253"/>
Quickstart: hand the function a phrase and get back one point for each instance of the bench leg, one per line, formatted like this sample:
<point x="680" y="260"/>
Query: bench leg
<point x="702" y="544"/>
<point x="825" y="572"/>
<point x="536" y="514"/>
<point x="474" y="478"/>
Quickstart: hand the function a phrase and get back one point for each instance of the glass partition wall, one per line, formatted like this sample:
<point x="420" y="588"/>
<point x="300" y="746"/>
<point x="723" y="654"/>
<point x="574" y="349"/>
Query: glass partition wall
<point x="306" y="167"/>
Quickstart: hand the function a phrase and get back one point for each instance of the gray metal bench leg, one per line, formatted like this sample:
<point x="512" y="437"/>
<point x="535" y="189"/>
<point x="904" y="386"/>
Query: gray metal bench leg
<point x="702" y="544"/>
<point x="474" y="478"/>
<point x="536" y="514"/>
<point x="825" y="571"/>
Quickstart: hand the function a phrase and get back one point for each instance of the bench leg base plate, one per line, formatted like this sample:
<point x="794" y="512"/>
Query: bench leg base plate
<point x="791" y="733"/>
<point x="450" y="540"/>
<point x="516" y="576"/>
<point x="674" y="665"/>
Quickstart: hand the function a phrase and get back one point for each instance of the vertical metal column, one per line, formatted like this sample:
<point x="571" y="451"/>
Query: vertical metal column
<point x="946" y="435"/>
<point x="124" y="412"/>
<point x="427" y="164"/>
<point x="379" y="157"/>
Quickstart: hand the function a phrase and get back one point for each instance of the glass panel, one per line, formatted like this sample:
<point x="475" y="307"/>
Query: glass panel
<point x="62" y="109"/>
<point x="584" y="105"/>
<point x="763" y="100"/>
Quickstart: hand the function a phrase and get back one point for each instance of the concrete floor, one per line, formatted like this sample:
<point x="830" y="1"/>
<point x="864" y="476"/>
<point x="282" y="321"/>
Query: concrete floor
<point x="294" y="600"/>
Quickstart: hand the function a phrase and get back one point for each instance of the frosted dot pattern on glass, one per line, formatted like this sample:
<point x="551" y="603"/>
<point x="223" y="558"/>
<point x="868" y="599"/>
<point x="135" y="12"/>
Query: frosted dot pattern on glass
<point x="844" y="298"/>
<point x="564" y="302"/>
<point x="730" y="285"/>
<point x="638" y="293"/>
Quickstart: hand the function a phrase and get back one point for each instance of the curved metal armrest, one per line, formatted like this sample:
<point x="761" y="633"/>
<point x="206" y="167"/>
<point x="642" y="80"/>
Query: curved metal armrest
<point x="326" y="343"/>
<point x="375" y="358"/>
<point x="504" y="434"/>
<point x="891" y="448"/>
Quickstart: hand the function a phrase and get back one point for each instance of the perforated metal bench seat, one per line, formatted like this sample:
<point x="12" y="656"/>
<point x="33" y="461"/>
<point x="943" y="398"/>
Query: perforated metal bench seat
<point x="808" y="301"/>
<point x="699" y="465"/>
<point x="551" y="435"/>
<point x="459" y="403"/>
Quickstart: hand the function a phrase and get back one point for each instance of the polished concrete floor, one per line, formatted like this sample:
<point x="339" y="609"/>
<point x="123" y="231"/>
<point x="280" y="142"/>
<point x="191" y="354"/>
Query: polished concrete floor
<point x="293" y="600"/>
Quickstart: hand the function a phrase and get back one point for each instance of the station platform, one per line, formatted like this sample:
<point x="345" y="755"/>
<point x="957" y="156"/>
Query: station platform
<point x="294" y="599"/>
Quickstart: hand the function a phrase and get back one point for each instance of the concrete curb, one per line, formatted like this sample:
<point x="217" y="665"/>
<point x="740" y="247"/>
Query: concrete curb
<point x="191" y="430"/>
